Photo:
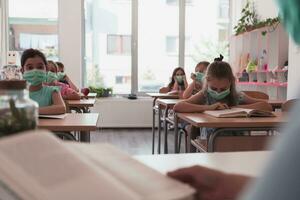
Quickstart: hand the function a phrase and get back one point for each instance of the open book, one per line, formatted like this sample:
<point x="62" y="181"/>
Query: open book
<point x="39" y="166"/>
<point x="62" y="116"/>
<point x="239" y="112"/>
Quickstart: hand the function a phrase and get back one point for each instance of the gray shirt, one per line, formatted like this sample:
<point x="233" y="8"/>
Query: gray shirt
<point x="281" y="178"/>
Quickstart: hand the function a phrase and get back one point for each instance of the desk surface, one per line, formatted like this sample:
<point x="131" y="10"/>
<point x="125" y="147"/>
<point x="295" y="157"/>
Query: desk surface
<point x="163" y="95"/>
<point x="81" y="103"/>
<point x="90" y="95"/>
<point x="72" y="122"/>
<point x="204" y="120"/>
<point x="167" y="102"/>
<point x="233" y="162"/>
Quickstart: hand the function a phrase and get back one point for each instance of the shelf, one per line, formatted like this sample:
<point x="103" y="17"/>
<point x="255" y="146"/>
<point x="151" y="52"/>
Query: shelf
<point x="263" y="84"/>
<point x="265" y="71"/>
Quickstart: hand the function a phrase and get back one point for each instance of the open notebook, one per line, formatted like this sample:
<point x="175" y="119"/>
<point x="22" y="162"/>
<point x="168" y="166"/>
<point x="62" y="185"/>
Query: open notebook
<point x="239" y="112"/>
<point x="37" y="166"/>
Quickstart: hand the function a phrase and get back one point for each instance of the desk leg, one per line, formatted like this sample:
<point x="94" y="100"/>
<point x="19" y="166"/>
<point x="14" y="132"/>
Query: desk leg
<point x="159" y="129"/>
<point x="86" y="110"/>
<point x="175" y="133"/>
<point x="153" y="125"/>
<point x="84" y="136"/>
<point x="166" y="130"/>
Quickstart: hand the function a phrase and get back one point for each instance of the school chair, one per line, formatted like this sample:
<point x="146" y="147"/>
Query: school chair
<point x="286" y="106"/>
<point x="257" y="94"/>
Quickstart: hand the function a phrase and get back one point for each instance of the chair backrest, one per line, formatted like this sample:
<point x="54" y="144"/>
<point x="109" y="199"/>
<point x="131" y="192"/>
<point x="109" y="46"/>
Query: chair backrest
<point x="286" y="106"/>
<point x="257" y="95"/>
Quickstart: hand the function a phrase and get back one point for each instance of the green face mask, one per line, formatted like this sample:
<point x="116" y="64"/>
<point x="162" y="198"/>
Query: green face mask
<point x="199" y="76"/>
<point x="51" y="77"/>
<point x="179" y="79"/>
<point x="61" y="75"/>
<point x="290" y="13"/>
<point x="35" y="77"/>
<point x="218" y="95"/>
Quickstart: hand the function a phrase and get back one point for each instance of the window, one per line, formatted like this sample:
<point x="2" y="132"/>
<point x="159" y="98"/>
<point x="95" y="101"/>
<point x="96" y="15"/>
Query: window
<point x="172" y="44"/>
<point x="157" y="44"/>
<point x="224" y="9"/>
<point x="133" y="46"/>
<point x="175" y="2"/>
<point x="208" y="34"/>
<point x="34" y="27"/>
<point x="108" y="44"/>
<point x="119" y="44"/>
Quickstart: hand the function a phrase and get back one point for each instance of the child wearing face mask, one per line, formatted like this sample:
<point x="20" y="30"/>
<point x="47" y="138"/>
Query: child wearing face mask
<point x="66" y="91"/>
<point x="177" y="84"/>
<point x="197" y="78"/>
<point x="218" y="93"/>
<point x="33" y="63"/>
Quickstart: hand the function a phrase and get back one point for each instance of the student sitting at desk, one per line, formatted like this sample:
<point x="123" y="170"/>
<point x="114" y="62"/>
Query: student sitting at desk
<point x="197" y="78"/>
<point x="218" y="93"/>
<point x="66" y="91"/>
<point x="34" y="64"/>
<point x="64" y="78"/>
<point x="177" y="84"/>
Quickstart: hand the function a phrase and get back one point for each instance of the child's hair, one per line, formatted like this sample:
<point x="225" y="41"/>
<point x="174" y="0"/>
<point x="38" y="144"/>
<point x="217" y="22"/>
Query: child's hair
<point x="219" y="58"/>
<point x="60" y="65"/>
<point x="172" y="82"/>
<point x="31" y="53"/>
<point x="54" y="64"/>
<point x="222" y="70"/>
<point x="204" y="63"/>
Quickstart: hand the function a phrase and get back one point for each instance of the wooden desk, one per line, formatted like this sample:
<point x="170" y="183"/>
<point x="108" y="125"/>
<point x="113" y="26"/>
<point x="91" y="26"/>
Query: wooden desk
<point x="84" y="123"/>
<point x="89" y="96"/>
<point x="155" y="96"/>
<point x="233" y="162"/>
<point x="167" y="104"/>
<point x="228" y="124"/>
<point x="80" y="106"/>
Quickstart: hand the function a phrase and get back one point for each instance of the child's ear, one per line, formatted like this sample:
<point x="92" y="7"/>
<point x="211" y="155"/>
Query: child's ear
<point x="22" y="70"/>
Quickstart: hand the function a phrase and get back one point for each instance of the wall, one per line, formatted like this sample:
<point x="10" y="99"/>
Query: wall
<point x="71" y="49"/>
<point x="294" y="71"/>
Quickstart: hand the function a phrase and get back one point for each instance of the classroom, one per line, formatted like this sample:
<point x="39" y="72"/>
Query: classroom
<point x="149" y="99"/>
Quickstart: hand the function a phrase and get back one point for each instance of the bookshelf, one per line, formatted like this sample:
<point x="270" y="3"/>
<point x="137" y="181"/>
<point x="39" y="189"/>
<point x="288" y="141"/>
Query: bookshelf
<point x="271" y="75"/>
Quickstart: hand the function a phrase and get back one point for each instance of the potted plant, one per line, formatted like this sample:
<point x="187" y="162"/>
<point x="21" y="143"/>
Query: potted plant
<point x="101" y="91"/>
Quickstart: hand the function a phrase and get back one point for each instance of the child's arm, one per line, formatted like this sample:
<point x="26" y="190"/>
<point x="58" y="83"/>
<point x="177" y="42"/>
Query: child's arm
<point x="72" y="85"/>
<point x="185" y="82"/>
<point x="164" y="90"/>
<point x="258" y="106"/>
<point x="192" y="105"/>
<point x="72" y="96"/>
<point x="189" y="90"/>
<point x="253" y="103"/>
<point x="58" y="106"/>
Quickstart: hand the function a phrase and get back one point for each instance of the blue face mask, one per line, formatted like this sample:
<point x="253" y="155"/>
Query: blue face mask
<point x="290" y="13"/>
<point x="218" y="95"/>
<point x="199" y="76"/>
<point x="35" y="77"/>
<point x="179" y="79"/>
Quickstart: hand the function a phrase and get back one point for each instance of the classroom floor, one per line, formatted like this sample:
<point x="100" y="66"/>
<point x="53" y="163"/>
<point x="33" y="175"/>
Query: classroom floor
<point x="132" y="141"/>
